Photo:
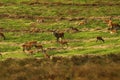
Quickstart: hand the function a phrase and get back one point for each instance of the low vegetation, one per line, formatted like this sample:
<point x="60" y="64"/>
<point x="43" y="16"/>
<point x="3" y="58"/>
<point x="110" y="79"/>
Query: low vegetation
<point x="59" y="39"/>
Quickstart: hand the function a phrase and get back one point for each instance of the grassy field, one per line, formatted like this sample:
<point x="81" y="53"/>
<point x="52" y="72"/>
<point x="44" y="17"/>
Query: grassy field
<point x="17" y="17"/>
<point x="83" y="59"/>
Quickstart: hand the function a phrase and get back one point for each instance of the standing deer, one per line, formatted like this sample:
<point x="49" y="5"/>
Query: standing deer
<point x="58" y="35"/>
<point x="100" y="39"/>
<point x="112" y="25"/>
<point x="2" y="35"/>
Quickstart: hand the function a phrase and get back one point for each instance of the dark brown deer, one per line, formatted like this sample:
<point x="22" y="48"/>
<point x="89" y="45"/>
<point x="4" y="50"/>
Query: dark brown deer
<point x="2" y="35"/>
<point x="100" y="39"/>
<point x="58" y="35"/>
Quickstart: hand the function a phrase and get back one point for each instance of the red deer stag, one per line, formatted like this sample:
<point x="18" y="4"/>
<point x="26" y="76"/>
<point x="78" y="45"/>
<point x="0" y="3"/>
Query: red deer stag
<point x="58" y="35"/>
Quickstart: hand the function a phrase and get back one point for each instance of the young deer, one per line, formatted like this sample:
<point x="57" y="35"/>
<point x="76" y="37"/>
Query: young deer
<point x="2" y="35"/>
<point x="58" y="35"/>
<point x="100" y="39"/>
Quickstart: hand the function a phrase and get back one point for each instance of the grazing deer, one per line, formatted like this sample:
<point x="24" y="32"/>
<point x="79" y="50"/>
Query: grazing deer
<point x="2" y="35"/>
<point x="58" y="35"/>
<point x="26" y="47"/>
<point x="29" y="45"/>
<point x="100" y="39"/>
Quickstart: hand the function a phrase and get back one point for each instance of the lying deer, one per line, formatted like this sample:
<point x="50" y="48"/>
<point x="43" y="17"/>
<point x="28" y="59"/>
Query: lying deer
<point x="64" y="42"/>
<point x="73" y="29"/>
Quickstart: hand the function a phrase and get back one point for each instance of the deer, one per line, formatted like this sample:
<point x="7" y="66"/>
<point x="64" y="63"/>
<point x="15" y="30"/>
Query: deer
<point x="74" y="29"/>
<point x="45" y="54"/>
<point x="112" y="31"/>
<point x="34" y="30"/>
<point x="39" y="46"/>
<point x="40" y="20"/>
<point x="64" y="42"/>
<point x="98" y="38"/>
<point x="30" y="52"/>
<point x="29" y="45"/>
<point x="58" y="35"/>
<point x="2" y="35"/>
<point x="112" y="25"/>
<point x="26" y="47"/>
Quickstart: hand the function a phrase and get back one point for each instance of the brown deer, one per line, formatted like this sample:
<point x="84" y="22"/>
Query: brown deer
<point x="100" y="39"/>
<point x="113" y="25"/>
<point x="58" y="35"/>
<point x="40" y="20"/>
<point x="30" y="52"/>
<point x="29" y="45"/>
<point x="64" y="42"/>
<point x="26" y="47"/>
<point x="34" y="30"/>
<point x="2" y="35"/>
<point x="74" y="29"/>
<point x="45" y="54"/>
<point x="39" y="46"/>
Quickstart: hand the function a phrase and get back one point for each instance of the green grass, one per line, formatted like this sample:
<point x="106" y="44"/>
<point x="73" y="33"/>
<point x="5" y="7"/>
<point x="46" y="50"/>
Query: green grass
<point x="79" y="43"/>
